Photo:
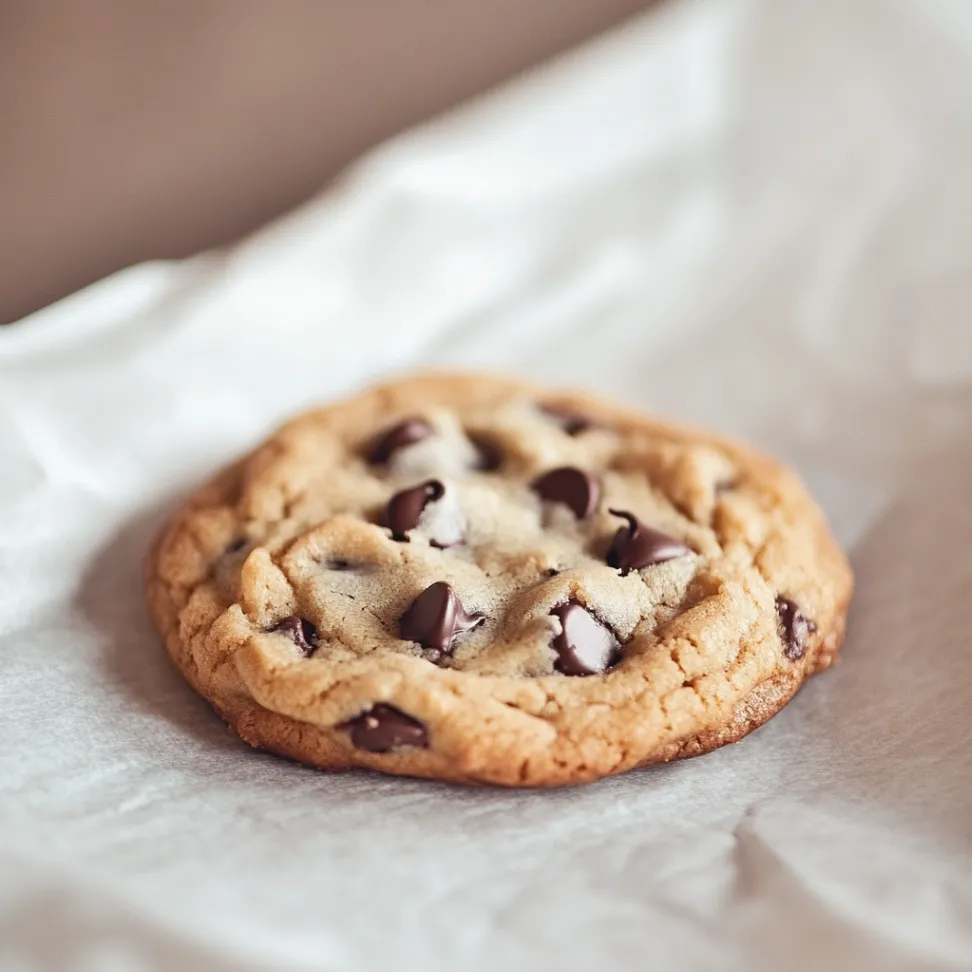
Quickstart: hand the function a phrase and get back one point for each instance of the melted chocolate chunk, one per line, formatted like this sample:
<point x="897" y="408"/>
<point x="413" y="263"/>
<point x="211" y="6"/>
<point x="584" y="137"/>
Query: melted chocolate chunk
<point x="405" y="508"/>
<point x="301" y="632"/>
<point x="406" y="433"/>
<point x="384" y="728"/>
<point x="437" y="617"/>
<point x="236" y="546"/>
<point x="573" y="423"/>
<point x="637" y="545"/>
<point x="571" y="486"/>
<point x="795" y="629"/>
<point x="584" y="645"/>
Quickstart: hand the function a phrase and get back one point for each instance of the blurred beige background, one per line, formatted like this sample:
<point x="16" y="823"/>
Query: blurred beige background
<point x="134" y="129"/>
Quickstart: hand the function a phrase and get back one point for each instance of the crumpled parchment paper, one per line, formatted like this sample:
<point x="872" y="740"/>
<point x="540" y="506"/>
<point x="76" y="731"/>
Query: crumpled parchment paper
<point x="748" y="214"/>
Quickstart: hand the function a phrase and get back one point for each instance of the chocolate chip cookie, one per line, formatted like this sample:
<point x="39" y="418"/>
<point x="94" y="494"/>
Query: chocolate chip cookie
<point x="470" y="579"/>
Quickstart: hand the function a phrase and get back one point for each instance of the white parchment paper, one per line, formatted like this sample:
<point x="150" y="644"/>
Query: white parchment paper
<point x="749" y="214"/>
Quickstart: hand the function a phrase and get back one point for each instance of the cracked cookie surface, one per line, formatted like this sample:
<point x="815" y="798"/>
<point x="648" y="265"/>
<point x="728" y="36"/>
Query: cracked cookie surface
<point x="471" y="579"/>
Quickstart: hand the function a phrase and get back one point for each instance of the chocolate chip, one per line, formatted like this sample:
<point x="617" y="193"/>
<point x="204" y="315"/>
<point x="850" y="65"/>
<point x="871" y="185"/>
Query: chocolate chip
<point x="584" y="645"/>
<point x="795" y="629"/>
<point x="490" y="453"/>
<point x="637" y="545"/>
<point x="571" y="486"/>
<point x="405" y="508"/>
<point x="236" y="546"/>
<point x="436" y="617"/>
<point x="406" y="433"/>
<point x="384" y="728"/>
<point x="724" y="486"/>
<point x="573" y="423"/>
<point x="301" y="631"/>
<point x="338" y="563"/>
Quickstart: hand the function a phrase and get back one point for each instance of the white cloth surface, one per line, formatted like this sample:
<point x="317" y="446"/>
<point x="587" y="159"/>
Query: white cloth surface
<point x="747" y="214"/>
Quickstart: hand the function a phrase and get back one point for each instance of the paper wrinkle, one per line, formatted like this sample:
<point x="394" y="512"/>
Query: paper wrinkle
<point x="746" y="215"/>
<point x="64" y="921"/>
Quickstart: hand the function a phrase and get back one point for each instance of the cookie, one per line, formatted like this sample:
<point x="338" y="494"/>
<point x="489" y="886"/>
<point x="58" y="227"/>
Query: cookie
<point x="470" y="579"/>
